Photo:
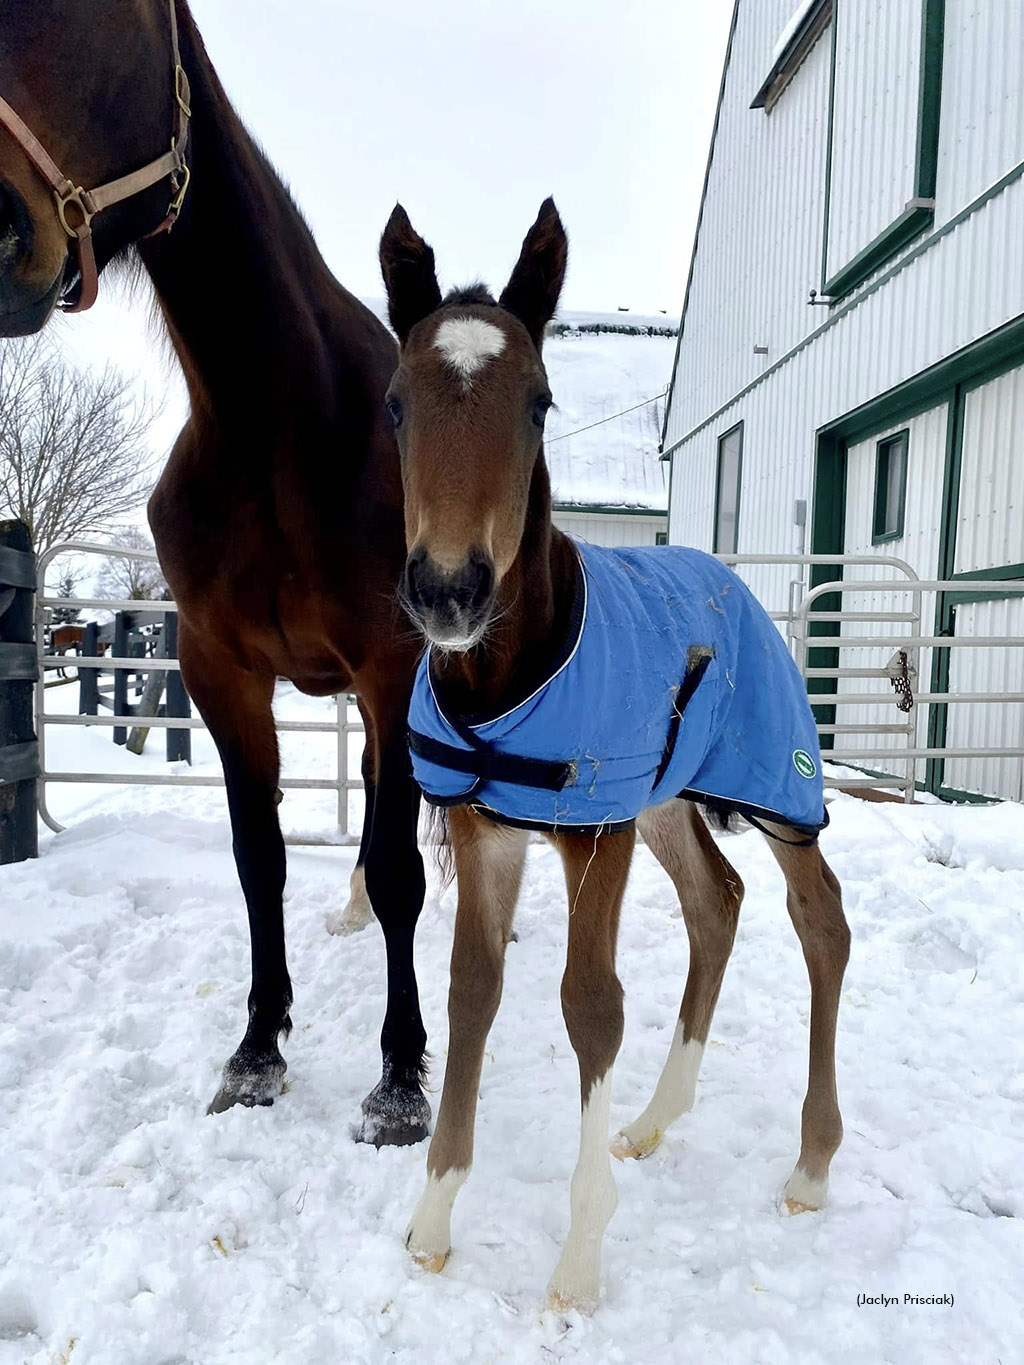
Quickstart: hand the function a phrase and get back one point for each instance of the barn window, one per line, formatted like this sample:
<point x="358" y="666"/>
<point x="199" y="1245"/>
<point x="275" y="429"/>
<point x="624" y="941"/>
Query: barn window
<point x="727" y="494"/>
<point x="809" y="21"/>
<point x="890" y="487"/>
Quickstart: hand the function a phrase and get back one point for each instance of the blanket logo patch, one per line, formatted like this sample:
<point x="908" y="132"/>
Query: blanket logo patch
<point x="804" y="763"/>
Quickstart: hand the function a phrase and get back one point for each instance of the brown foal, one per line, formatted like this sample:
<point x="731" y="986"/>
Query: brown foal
<point x="491" y="583"/>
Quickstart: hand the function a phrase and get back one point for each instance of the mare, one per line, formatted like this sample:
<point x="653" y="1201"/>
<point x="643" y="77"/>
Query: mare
<point x="278" y="518"/>
<point x="494" y="587"/>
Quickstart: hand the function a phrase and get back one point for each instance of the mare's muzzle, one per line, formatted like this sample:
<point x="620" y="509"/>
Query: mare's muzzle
<point x="452" y="607"/>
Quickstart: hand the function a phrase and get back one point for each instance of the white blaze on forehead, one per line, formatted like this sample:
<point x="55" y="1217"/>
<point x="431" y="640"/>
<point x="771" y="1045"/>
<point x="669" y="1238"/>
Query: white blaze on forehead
<point x="468" y="343"/>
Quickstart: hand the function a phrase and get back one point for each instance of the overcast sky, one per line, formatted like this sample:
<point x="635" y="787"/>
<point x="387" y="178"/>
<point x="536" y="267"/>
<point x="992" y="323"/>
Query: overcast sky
<point x="470" y="113"/>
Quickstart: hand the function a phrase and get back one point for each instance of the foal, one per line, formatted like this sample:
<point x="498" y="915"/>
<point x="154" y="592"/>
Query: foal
<point x="530" y="635"/>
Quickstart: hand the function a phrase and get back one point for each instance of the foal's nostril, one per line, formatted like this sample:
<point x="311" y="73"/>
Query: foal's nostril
<point x="481" y="579"/>
<point x="413" y="566"/>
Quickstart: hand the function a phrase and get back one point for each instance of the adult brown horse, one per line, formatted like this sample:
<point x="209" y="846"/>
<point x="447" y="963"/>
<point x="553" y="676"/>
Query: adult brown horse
<point x="279" y="517"/>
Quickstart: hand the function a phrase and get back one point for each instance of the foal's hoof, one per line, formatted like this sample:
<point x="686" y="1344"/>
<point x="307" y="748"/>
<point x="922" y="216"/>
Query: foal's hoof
<point x="431" y="1261"/>
<point x="249" y="1078"/>
<point x="803" y="1194"/>
<point x="633" y="1147"/>
<point x="568" y="1301"/>
<point x="394" y="1116"/>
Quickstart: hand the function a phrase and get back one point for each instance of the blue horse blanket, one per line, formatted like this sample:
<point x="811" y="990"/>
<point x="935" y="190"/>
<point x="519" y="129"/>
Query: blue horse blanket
<point x="675" y="683"/>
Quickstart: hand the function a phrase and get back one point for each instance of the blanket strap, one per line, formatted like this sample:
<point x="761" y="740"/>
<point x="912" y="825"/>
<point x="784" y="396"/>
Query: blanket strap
<point x="689" y="685"/>
<point x="486" y="764"/>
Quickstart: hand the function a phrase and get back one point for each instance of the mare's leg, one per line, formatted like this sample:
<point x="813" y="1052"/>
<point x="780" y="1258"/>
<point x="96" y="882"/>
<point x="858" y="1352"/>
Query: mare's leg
<point x="489" y="863"/>
<point x="236" y="704"/>
<point x="595" y="873"/>
<point x="815" y="906"/>
<point x="710" y="893"/>
<point x="396" y="1112"/>
<point x="358" y="913"/>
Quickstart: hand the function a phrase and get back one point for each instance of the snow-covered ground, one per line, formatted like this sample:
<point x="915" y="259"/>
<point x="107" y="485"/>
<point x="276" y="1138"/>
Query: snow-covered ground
<point x="136" y="1230"/>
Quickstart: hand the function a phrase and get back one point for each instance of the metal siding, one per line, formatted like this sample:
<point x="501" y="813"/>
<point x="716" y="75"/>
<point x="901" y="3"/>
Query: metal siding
<point x="874" y="131"/>
<point x="998" y="727"/>
<point x="760" y="234"/>
<point x="919" y="546"/>
<point x="990" y="523"/>
<point x="610" y="530"/>
<point x="981" y="129"/>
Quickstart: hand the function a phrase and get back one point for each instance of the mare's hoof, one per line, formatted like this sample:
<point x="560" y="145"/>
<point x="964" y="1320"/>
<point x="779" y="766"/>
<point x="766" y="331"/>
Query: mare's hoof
<point x="394" y="1116"/>
<point x="433" y="1262"/>
<point x="249" y="1078"/>
<point x="627" y="1147"/>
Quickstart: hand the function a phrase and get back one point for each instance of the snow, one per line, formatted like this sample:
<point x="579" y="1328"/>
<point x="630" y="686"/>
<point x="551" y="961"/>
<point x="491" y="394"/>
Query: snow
<point x="136" y="1230"/>
<point x="792" y="28"/>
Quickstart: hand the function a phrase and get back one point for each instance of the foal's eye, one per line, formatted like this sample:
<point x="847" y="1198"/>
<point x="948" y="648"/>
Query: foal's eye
<point x="540" y="411"/>
<point x="394" y="410"/>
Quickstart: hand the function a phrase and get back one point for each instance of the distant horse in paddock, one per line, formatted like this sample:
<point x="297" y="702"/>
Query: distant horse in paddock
<point x="581" y="691"/>
<point x="278" y="519"/>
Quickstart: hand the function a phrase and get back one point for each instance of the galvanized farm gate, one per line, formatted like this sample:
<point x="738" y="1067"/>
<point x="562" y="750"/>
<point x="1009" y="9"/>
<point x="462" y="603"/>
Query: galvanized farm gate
<point x="344" y="723"/>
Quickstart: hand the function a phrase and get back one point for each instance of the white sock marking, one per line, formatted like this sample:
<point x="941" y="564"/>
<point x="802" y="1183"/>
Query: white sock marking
<point x="429" y="1233"/>
<point x="468" y="343"/>
<point x="592" y="1200"/>
<point x="674" y="1095"/>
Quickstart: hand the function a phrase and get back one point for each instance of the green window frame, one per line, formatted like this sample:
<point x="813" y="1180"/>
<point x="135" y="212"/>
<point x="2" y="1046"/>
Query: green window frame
<point x="661" y="537"/>
<point x="892" y="455"/>
<point x="728" y="484"/>
<point x="919" y="211"/>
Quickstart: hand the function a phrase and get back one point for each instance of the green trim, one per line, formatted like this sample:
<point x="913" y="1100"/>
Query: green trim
<point x="846" y="309"/>
<point x="828" y="152"/>
<point x="938" y="715"/>
<point x="880" y="511"/>
<point x="700" y="218"/>
<point x="716" y="548"/>
<point x="828" y="536"/>
<point x="890" y="240"/>
<point x="919" y="211"/>
<point x="592" y="508"/>
<point x="793" y="55"/>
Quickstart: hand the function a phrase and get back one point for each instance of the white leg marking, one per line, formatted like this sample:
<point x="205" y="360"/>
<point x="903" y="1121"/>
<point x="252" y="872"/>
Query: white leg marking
<point x="358" y="913"/>
<point x="468" y="343"/>
<point x="674" y="1095"/>
<point x="429" y="1236"/>
<point x="592" y="1200"/>
<point x="804" y="1194"/>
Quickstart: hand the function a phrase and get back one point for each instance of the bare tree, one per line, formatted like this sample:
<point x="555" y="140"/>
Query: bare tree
<point x="134" y="579"/>
<point x="66" y="577"/>
<point x="73" y="450"/>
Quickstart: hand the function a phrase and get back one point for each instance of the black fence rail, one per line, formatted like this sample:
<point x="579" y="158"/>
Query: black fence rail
<point x="19" y="750"/>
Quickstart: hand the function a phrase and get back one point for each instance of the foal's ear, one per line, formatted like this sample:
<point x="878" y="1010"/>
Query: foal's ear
<point x="407" y="264"/>
<point x="536" y="282"/>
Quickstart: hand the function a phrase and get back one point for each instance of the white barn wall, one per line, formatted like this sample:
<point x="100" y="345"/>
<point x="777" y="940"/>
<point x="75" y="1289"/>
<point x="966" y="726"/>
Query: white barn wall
<point x="990" y="524"/>
<point x="998" y="727"/>
<point x="608" y="529"/>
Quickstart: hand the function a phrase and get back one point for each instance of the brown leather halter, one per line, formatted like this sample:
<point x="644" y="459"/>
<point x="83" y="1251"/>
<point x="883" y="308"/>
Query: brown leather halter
<point x="85" y="204"/>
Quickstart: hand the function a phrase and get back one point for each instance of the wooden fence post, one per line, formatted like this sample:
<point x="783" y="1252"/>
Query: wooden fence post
<point x="122" y="621"/>
<point x="19" y="750"/>
<point x="179" y="742"/>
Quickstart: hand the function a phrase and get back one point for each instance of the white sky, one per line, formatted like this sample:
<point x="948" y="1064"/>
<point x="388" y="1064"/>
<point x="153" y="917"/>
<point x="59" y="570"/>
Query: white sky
<point x="470" y="113"/>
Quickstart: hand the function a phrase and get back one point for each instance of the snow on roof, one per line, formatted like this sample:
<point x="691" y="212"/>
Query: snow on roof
<point x="595" y="377"/>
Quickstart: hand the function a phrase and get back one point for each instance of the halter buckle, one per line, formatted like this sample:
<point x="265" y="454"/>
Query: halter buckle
<point x="72" y="194"/>
<point x="179" y="198"/>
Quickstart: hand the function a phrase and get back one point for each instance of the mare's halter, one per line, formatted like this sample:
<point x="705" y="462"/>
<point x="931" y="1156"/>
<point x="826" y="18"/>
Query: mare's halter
<point x="85" y="204"/>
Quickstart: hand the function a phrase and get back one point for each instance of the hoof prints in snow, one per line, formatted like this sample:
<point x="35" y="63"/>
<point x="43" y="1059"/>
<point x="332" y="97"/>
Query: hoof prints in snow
<point x="146" y="1232"/>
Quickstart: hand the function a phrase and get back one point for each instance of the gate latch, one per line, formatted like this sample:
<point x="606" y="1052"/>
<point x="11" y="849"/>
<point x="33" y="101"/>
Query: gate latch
<point x="902" y="674"/>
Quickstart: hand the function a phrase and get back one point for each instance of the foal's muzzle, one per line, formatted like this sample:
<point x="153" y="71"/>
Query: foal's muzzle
<point x="453" y="608"/>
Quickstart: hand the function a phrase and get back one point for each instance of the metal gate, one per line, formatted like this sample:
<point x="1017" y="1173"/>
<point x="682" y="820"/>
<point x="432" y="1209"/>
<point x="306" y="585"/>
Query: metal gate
<point x="345" y="723"/>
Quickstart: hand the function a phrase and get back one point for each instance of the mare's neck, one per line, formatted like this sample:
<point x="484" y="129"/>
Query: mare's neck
<point x="532" y="619"/>
<point x="247" y="297"/>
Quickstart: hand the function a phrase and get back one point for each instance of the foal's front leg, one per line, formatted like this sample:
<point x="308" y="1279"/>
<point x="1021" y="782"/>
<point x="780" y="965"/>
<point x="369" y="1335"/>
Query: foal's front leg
<point x="489" y="864"/>
<point x="596" y="870"/>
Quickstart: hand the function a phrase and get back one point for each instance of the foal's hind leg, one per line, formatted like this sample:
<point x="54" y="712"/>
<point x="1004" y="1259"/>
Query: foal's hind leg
<point x="710" y="893"/>
<point x="816" y="909"/>
<point x="358" y="912"/>
<point x="489" y="861"/>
